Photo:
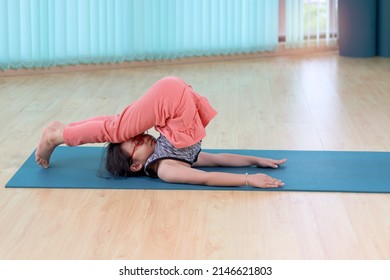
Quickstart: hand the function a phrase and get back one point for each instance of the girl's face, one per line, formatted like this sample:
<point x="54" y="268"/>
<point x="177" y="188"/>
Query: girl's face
<point x="139" y="148"/>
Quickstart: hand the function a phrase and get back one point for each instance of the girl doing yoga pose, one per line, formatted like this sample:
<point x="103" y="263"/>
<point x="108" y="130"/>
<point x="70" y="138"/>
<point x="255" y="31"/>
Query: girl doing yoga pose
<point x="181" y="115"/>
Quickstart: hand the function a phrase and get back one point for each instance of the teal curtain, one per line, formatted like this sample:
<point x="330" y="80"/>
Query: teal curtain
<point x="44" y="33"/>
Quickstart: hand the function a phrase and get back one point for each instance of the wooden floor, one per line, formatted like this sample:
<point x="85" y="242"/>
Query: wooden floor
<point x="316" y="102"/>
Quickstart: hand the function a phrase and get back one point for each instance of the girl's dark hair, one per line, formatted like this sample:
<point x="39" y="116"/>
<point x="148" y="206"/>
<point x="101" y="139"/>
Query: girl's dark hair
<point x="118" y="164"/>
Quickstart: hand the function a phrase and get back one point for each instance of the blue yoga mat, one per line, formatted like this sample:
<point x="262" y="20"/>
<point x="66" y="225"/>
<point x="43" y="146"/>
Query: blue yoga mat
<point x="78" y="167"/>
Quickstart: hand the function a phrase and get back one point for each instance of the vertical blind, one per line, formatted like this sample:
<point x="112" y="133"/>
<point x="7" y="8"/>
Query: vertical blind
<point x="311" y="22"/>
<point x="44" y="33"/>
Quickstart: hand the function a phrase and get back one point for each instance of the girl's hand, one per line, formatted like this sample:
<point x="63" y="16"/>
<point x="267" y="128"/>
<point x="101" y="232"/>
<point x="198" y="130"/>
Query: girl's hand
<point x="263" y="181"/>
<point x="268" y="162"/>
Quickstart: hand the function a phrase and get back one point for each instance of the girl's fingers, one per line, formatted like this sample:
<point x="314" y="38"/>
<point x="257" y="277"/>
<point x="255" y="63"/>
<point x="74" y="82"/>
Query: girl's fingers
<point x="276" y="183"/>
<point x="276" y="163"/>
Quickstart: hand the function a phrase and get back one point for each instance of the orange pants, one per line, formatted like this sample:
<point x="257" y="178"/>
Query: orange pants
<point x="170" y="105"/>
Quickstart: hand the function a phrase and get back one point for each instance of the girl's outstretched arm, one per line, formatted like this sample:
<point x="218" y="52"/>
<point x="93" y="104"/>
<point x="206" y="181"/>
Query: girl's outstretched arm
<point x="173" y="171"/>
<point x="234" y="160"/>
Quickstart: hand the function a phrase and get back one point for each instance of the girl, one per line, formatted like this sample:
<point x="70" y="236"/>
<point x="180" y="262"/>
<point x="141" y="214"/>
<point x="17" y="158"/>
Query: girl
<point x="181" y="115"/>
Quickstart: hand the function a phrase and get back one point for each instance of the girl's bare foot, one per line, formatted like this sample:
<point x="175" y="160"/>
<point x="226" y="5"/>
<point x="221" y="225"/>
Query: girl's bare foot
<point x="51" y="137"/>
